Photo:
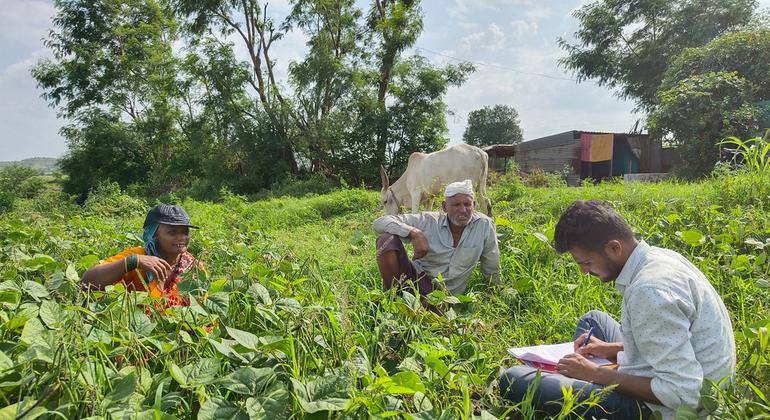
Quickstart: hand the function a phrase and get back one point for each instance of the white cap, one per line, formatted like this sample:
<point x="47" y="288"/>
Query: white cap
<point x="461" y="187"/>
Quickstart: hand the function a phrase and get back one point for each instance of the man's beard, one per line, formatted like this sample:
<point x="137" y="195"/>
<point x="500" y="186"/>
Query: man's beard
<point x="614" y="273"/>
<point x="460" y="221"/>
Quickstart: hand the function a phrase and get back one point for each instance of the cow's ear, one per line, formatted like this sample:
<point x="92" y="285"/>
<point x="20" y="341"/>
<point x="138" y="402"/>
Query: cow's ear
<point x="384" y="177"/>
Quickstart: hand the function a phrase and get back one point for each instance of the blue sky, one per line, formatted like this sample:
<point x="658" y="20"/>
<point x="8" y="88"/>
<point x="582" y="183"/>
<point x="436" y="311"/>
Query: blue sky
<point x="512" y="43"/>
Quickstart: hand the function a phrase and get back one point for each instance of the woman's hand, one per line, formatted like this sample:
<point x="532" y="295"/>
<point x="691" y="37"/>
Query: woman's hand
<point x="159" y="268"/>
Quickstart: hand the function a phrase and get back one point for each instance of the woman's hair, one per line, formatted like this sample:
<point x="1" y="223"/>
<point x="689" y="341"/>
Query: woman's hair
<point x="589" y="225"/>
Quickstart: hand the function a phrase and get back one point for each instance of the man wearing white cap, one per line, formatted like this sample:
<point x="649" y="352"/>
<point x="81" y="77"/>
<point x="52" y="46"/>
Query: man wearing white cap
<point x="448" y="243"/>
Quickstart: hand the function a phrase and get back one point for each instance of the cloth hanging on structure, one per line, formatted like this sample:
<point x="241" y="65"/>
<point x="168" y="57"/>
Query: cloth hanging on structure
<point x="596" y="147"/>
<point x="636" y="144"/>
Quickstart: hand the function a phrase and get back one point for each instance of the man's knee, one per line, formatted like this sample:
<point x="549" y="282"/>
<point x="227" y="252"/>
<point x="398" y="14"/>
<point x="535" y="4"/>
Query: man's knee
<point x="515" y="380"/>
<point x="388" y="242"/>
<point x="593" y="317"/>
<point x="384" y="238"/>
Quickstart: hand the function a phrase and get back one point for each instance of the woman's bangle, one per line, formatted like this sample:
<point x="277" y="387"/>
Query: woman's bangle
<point x="131" y="262"/>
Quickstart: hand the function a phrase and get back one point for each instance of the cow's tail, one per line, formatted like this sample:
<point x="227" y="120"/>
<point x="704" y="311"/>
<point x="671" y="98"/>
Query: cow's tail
<point x="483" y="184"/>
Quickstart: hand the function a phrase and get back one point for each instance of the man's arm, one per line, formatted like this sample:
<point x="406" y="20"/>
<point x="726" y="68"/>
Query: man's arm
<point x="406" y="226"/>
<point x="578" y="367"/>
<point x="660" y="329"/>
<point x="660" y="325"/>
<point x="400" y="224"/>
<point x="490" y="257"/>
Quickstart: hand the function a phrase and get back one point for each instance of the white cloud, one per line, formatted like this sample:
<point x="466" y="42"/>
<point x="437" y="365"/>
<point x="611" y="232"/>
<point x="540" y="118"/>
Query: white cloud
<point x="521" y="29"/>
<point x="493" y="39"/>
<point x="25" y="22"/>
<point x="465" y="13"/>
<point x="474" y="6"/>
<point x="538" y="13"/>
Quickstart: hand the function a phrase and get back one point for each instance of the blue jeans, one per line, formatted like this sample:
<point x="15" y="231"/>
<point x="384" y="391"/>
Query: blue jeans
<point x="548" y="397"/>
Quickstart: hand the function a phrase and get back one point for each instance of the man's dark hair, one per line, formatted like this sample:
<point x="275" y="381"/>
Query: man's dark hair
<point x="589" y="225"/>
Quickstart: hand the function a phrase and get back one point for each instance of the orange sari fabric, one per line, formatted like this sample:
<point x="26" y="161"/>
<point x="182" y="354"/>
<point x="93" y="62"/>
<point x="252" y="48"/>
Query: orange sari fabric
<point x="137" y="279"/>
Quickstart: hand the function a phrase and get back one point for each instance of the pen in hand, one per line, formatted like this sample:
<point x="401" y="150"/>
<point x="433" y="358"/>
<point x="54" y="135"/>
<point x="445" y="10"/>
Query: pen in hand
<point x="588" y="337"/>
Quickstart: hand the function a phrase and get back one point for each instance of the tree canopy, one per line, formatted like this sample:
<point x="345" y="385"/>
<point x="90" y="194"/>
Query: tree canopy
<point x="628" y="45"/>
<point x="154" y="85"/>
<point x="497" y="124"/>
<point x="712" y="92"/>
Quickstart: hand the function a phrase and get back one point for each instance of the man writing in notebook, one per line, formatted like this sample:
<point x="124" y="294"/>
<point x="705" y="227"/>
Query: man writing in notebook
<point x="674" y="329"/>
<point x="448" y="243"/>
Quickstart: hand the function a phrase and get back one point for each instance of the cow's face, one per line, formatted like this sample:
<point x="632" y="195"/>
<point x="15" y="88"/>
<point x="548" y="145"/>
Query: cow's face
<point x="389" y="201"/>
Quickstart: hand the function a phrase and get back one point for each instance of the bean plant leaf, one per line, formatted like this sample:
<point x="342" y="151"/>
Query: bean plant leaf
<point x="226" y="349"/>
<point x="217" y="286"/>
<point x="401" y="383"/>
<point x="686" y="413"/>
<point x="36" y="290"/>
<point x="34" y="333"/>
<point x="274" y="403"/>
<point x="204" y="372"/>
<point x="39" y="261"/>
<point x="5" y="363"/>
<point x="437" y="365"/>
<point x="218" y="408"/>
<point x="10" y="298"/>
<point x="248" y="380"/>
<point x="143" y="377"/>
<point x="693" y="237"/>
<point x="218" y="303"/>
<point x="325" y="393"/>
<point x="260" y="293"/>
<point x="178" y="374"/>
<point x="246" y="339"/>
<point x="38" y="351"/>
<point x="122" y="388"/>
<point x="154" y="415"/>
<point x="12" y="411"/>
<point x="141" y="324"/>
<point x="422" y="402"/>
<point x="53" y="315"/>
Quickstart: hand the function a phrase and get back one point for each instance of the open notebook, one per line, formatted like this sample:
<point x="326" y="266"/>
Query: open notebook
<point x="547" y="356"/>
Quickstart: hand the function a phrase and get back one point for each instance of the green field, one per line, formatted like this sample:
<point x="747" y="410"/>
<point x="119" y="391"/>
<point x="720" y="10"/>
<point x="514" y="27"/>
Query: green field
<point x="301" y="327"/>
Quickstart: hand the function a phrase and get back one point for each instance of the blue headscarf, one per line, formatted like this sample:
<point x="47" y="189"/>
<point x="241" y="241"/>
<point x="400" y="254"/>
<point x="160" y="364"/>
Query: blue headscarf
<point x="150" y="243"/>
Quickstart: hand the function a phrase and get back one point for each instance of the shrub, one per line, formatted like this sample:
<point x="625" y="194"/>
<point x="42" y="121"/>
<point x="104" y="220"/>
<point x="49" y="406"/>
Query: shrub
<point x="508" y="186"/>
<point x="748" y="184"/>
<point x="21" y="181"/>
<point x="108" y="199"/>
<point x="6" y="202"/>
<point x="294" y="187"/>
<point x="539" y="178"/>
<point x="344" y="201"/>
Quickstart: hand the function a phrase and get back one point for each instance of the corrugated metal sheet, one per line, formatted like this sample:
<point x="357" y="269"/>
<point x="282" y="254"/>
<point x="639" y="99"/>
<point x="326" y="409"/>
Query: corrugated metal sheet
<point x="560" y="139"/>
<point x="549" y="159"/>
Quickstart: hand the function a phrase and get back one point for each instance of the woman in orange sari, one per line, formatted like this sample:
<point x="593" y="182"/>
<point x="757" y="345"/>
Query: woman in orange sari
<point x="156" y="267"/>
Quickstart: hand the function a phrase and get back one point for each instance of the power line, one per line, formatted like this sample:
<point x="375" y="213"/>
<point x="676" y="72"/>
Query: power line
<point x="481" y="63"/>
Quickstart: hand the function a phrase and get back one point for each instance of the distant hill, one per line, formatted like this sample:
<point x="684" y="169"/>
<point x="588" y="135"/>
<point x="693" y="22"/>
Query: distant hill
<point x="43" y="164"/>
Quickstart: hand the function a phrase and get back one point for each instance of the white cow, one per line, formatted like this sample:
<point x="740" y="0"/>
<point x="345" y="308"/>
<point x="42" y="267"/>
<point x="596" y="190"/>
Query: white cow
<point x="427" y="174"/>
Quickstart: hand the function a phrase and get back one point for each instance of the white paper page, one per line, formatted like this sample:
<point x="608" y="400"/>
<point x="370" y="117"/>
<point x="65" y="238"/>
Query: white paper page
<point x="549" y="353"/>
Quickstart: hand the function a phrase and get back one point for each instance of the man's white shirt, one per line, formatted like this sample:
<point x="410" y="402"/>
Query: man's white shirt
<point x="676" y="329"/>
<point x="478" y="242"/>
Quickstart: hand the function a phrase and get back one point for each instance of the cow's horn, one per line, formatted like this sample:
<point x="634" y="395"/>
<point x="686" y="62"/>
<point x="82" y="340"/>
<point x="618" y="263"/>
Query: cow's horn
<point x="384" y="176"/>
